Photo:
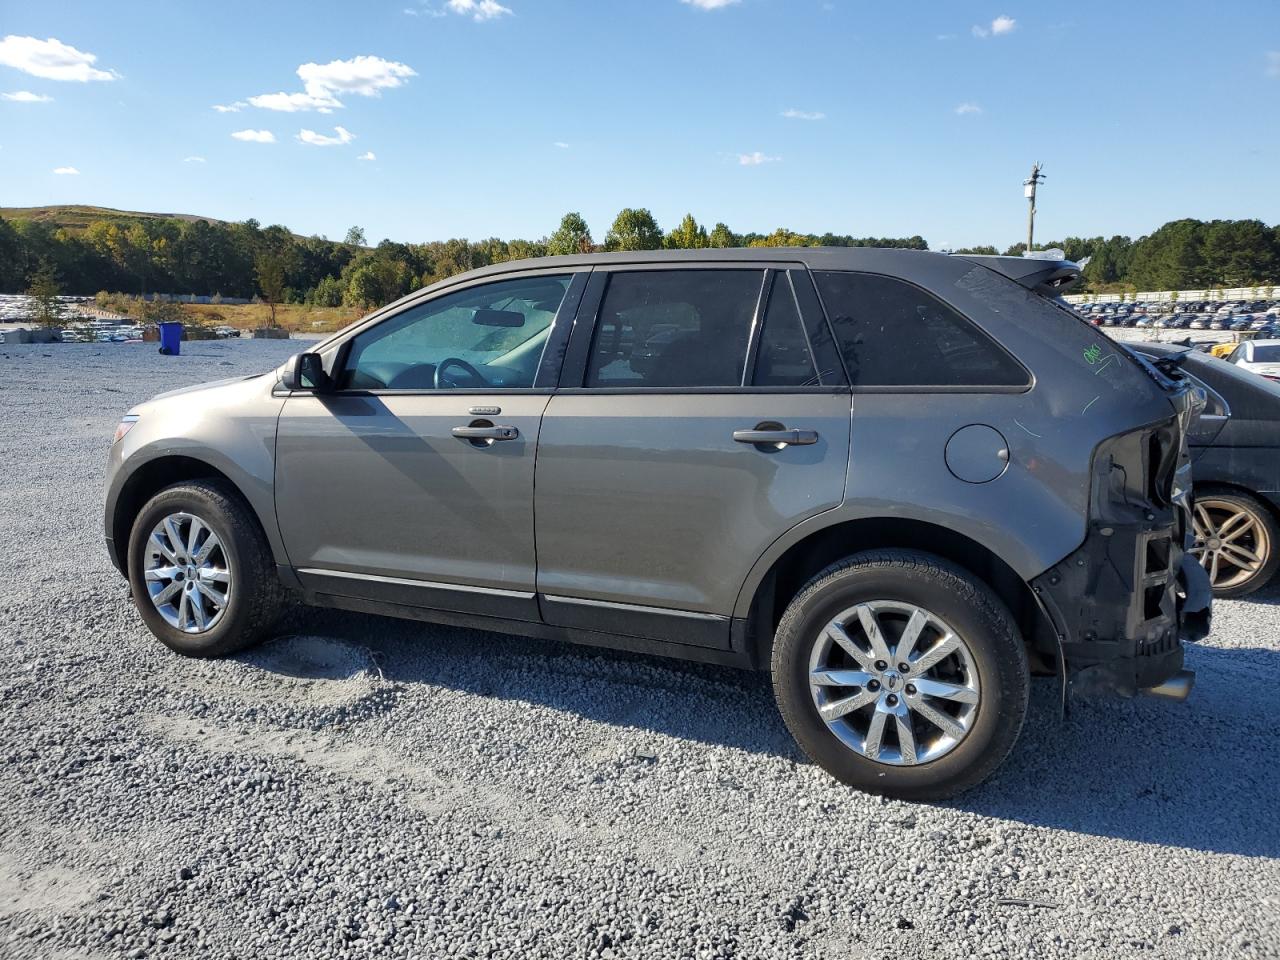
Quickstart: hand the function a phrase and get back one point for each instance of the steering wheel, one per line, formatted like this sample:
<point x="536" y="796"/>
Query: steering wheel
<point x="472" y="372"/>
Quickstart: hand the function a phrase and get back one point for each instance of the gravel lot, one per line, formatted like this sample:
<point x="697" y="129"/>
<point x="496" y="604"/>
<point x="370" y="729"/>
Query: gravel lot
<point x="366" y="787"/>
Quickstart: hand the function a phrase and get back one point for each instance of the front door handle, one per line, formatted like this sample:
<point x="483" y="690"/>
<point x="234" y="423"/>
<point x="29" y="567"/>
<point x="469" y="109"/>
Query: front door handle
<point x="776" y="438"/>
<point x="489" y="433"/>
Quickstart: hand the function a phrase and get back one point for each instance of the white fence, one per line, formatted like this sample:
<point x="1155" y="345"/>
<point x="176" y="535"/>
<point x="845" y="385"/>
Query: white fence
<point x="1264" y="292"/>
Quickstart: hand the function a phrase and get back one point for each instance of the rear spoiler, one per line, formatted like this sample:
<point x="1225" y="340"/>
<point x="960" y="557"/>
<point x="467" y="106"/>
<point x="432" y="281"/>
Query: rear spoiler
<point x="1047" y="277"/>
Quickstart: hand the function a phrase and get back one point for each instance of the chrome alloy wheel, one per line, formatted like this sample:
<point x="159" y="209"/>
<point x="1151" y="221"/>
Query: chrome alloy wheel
<point x="1232" y="542"/>
<point x="187" y="574"/>
<point x="894" y="682"/>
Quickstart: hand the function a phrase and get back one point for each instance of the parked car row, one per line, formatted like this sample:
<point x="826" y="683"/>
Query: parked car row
<point x="101" y="331"/>
<point x="1209" y="307"/>
<point x="1233" y="317"/>
<point x="107" y="331"/>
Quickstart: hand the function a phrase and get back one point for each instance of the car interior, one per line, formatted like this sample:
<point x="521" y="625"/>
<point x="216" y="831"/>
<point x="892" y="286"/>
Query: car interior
<point x="490" y="336"/>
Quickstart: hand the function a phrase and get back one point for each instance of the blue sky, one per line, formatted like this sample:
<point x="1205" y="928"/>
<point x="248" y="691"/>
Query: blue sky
<point x="488" y="118"/>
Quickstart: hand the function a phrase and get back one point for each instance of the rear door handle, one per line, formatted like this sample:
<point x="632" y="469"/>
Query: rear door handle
<point x="798" y="438"/>
<point x="486" y="433"/>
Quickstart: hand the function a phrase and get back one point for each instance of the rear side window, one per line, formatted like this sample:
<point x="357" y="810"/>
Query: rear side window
<point x="893" y="334"/>
<point x="784" y="357"/>
<point x="674" y="328"/>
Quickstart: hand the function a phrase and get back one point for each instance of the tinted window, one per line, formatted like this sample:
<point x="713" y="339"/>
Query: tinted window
<point x="1266" y="353"/>
<point x="894" y="334"/>
<point x="485" y="336"/>
<point x="674" y="328"/>
<point x="783" y="358"/>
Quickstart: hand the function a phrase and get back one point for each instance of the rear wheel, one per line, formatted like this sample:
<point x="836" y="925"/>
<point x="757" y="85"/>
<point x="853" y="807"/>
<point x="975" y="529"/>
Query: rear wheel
<point x="201" y="572"/>
<point x="901" y="674"/>
<point x="1236" y="541"/>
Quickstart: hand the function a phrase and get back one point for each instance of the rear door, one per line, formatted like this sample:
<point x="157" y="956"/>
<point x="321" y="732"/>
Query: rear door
<point x="702" y="413"/>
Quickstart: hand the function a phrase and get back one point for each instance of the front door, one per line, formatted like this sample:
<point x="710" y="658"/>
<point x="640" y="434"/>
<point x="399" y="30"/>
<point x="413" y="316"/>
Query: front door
<point x="412" y="481"/>
<point x="704" y="421"/>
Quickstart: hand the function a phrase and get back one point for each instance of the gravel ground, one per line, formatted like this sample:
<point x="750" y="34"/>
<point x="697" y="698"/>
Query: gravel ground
<point x="366" y="787"/>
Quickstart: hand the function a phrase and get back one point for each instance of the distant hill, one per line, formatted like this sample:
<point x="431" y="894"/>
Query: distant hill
<point x="76" y="218"/>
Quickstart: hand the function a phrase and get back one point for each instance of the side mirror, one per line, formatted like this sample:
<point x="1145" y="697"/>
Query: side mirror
<point x="306" y="372"/>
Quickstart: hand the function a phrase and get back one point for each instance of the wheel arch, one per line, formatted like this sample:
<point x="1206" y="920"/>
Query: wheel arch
<point x="764" y="600"/>
<point x="1233" y="486"/>
<point x="154" y="475"/>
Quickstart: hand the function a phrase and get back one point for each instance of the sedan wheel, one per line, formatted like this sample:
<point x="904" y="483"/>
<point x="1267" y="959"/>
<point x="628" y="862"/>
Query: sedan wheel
<point x="894" y="682"/>
<point x="187" y="573"/>
<point x="1235" y="542"/>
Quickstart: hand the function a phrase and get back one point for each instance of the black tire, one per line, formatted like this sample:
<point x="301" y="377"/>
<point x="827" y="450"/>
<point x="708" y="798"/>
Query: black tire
<point x="1265" y="541"/>
<point x="973" y="612"/>
<point x="255" y="598"/>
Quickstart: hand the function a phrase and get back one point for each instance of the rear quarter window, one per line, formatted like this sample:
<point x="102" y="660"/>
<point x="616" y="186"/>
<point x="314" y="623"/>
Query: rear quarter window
<point x="894" y="334"/>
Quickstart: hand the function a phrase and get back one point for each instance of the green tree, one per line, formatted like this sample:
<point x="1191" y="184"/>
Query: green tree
<point x="688" y="236"/>
<point x="43" y="292"/>
<point x="270" y="273"/>
<point x="634" y="230"/>
<point x="782" y="237"/>
<point x="12" y="256"/>
<point x="721" y="237"/>
<point x="355" y="237"/>
<point x="571" y="237"/>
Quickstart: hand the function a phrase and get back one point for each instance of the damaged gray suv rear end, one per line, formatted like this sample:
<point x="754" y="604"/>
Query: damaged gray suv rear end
<point x="901" y="482"/>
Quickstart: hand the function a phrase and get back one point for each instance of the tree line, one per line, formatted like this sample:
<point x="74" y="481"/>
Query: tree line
<point x="247" y="260"/>
<point x="1181" y="255"/>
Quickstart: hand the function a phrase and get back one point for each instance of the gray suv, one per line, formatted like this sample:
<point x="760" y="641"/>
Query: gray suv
<point x="900" y="481"/>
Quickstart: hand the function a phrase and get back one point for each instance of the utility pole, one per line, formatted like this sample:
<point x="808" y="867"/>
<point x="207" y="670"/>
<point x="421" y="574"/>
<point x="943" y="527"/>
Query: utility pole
<point x="1029" y="191"/>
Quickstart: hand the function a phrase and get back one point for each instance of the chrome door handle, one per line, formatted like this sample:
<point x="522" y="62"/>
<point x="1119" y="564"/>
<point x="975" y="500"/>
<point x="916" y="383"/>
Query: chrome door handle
<point x="780" y="438"/>
<point x="486" y="433"/>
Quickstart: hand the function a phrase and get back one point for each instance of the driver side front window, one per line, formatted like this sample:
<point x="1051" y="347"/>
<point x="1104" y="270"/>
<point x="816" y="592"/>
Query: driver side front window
<point x="484" y="337"/>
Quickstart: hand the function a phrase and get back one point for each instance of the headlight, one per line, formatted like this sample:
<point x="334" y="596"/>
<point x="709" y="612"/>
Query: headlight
<point x="125" y="425"/>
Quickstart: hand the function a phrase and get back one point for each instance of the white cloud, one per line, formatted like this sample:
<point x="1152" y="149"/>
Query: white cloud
<point x="367" y="155"/>
<point x="1273" y="63"/>
<point x="67" y="171"/>
<point x="193" y="160"/>
<point x="229" y="107"/>
<point x="362" y="75"/>
<point x="294" y="102"/>
<point x="479" y="9"/>
<point x="755" y="159"/>
<point x="254" y="136"/>
<point x="794" y="114"/>
<point x="320" y="140"/>
<point x="999" y="26"/>
<point x="25" y="96"/>
<point x="968" y="108"/>
<point x="561" y="144"/>
<point x="323" y="82"/>
<point x="51" y="59"/>
<point x="710" y="4"/>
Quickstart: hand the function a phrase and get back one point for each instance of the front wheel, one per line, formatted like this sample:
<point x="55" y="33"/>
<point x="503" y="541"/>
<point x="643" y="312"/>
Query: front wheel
<point x="201" y="572"/>
<point x="901" y="674"/>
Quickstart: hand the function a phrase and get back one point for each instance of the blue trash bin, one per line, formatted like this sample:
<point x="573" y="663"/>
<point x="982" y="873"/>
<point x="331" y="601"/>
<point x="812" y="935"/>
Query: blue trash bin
<point x="171" y="338"/>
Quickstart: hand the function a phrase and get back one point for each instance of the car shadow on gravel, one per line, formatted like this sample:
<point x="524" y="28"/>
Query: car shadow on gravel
<point x="677" y="698"/>
<point x="1199" y="775"/>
